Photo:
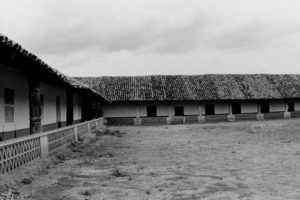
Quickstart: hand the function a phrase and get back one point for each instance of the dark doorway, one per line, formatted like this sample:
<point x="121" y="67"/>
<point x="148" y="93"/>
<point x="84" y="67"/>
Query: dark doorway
<point x="265" y="107"/>
<point x="151" y="111"/>
<point x="236" y="108"/>
<point x="291" y="107"/>
<point x="209" y="109"/>
<point x="179" y="111"/>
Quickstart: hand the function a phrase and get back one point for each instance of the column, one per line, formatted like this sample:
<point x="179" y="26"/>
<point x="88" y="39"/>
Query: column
<point x="70" y="107"/>
<point x="259" y="116"/>
<point x="230" y="117"/>
<point x="169" y="118"/>
<point x="137" y="120"/>
<point x="201" y="118"/>
<point x="34" y="106"/>
<point x="287" y="114"/>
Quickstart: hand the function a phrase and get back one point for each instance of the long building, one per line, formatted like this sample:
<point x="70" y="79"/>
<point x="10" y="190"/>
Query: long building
<point x="34" y="97"/>
<point x="188" y="99"/>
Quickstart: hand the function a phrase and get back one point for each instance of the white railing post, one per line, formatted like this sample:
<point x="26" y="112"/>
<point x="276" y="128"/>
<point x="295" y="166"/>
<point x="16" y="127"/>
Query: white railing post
<point x="89" y="128"/>
<point x="76" y="133"/>
<point x="97" y="128"/>
<point x="44" y="146"/>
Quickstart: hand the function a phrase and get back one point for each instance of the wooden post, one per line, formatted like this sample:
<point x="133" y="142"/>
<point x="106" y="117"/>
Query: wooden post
<point x="70" y="107"/>
<point x="137" y="110"/>
<point x="169" y="118"/>
<point x="34" y="106"/>
<point x="137" y="120"/>
<point x="287" y="114"/>
<point x="200" y="110"/>
<point x="230" y="117"/>
<point x="259" y="116"/>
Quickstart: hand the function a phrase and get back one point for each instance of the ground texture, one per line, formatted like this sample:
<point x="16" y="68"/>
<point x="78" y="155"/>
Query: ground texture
<point x="224" y="161"/>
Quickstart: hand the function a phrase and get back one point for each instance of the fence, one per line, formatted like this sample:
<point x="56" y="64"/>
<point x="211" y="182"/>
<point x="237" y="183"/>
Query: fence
<point x="250" y="116"/>
<point x="295" y="114"/>
<point x="120" y="121"/>
<point x="191" y="119"/>
<point x="17" y="152"/>
<point x="154" y="120"/>
<point x="216" y="118"/>
<point x="188" y="119"/>
<point x="275" y="115"/>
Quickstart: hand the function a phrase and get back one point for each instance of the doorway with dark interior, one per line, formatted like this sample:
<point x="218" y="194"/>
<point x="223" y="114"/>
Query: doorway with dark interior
<point x="151" y="111"/>
<point x="236" y="108"/>
<point x="265" y="107"/>
<point x="179" y="110"/>
<point x="209" y="109"/>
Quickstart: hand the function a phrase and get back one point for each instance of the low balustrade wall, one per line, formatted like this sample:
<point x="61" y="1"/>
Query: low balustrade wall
<point x="164" y="120"/>
<point x="17" y="152"/>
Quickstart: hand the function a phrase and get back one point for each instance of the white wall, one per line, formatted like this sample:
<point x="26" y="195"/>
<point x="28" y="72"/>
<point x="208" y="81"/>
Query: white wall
<point x="277" y="106"/>
<point x="190" y="108"/>
<point x="162" y="108"/>
<point x="297" y="105"/>
<point x="129" y="109"/>
<point x="18" y="82"/>
<point x="77" y="106"/>
<point x="50" y="92"/>
<point x="119" y="110"/>
<point x="221" y="108"/>
<point x="249" y="107"/>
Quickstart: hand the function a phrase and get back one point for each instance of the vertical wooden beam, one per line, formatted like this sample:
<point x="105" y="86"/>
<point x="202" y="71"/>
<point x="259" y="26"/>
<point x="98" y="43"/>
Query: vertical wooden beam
<point x="259" y="116"/>
<point x="201" y="118"/>
<point x="199" y="109"/>
<point x="258" y="108"/>
<point x="70" y="107"/>
<point x="137" y="120"/>
<point x="287" y="114"/>
<point x="137" y="110"/>
<point x="230" y="117"/>
<point x="169" y="118"/>
<point x="34" y="106"/>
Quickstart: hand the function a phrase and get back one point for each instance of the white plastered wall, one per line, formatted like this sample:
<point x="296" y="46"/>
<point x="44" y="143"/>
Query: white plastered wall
<point x="190" y="108"/>
<point x="297" y="105"/>
<point x="119" y="110"/>
<point x="249" y="107"/>
<point x="162" y="108"/>
<point x="18" y="82"/>
<point x="221" y="108"/>
<point x="277" y="106"/>
<point x="50" y="92"/>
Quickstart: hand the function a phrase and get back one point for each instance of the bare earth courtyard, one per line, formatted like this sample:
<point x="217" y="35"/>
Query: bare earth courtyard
<point x="224" y="161"/>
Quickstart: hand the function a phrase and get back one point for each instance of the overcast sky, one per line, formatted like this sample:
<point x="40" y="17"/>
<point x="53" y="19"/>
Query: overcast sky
<point x="141" y="37"/>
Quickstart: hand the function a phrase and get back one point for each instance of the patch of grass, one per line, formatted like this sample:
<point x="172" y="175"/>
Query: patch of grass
<point x="117" y="172"/>
<point x="27" y="181"/>
<point x="86" y="193"/>
<point x="51" y="192"/>
<point x="60" y="157"/>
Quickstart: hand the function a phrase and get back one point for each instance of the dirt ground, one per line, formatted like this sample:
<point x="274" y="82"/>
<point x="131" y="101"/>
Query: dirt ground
<point x="220" y="161"/>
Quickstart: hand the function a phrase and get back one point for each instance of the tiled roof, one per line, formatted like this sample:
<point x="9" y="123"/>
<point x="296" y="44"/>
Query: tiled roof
<point x="196" y="87"/>
<point x="14" y="55"/>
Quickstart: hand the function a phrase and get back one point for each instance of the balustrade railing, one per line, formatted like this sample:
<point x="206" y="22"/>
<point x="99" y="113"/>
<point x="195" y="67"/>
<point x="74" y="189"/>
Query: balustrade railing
<point x="19" y="151"/>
